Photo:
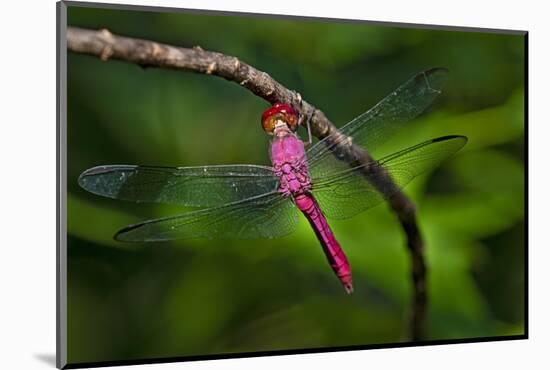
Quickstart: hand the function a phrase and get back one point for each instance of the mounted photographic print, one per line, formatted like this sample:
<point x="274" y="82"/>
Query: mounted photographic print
<point x="236" y="185"/>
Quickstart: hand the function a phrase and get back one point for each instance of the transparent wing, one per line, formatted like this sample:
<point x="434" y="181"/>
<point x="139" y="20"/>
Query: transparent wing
<point x="355" y="189"/>
<point x="377" y="124"/>
<point x="266" y="216"/>
<point x="205" y="186"/>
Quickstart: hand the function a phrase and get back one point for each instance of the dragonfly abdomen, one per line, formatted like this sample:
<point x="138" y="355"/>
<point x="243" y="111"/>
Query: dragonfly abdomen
<point x="334" y="253"/>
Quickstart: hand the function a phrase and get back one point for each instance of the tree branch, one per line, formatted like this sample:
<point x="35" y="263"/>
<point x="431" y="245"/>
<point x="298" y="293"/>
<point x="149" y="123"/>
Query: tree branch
<point x="105" y="45"/>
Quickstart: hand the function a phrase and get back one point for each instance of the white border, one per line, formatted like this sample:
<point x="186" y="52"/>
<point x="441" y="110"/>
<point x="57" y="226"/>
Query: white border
<point x="28" y="182"/>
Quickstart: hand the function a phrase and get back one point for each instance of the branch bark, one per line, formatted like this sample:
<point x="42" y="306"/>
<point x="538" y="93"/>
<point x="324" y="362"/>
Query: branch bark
<point x="104" y="45"/>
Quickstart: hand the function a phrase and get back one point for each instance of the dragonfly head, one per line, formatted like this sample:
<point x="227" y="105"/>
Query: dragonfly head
<point x="279" y="116"/>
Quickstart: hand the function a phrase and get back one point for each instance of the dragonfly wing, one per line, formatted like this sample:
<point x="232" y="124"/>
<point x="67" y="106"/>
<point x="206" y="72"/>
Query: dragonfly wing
<point x="380" y="122"/>
<point x="266" y="216"/>
<point x="353" y="190"/>
<point x="204" y="186"/>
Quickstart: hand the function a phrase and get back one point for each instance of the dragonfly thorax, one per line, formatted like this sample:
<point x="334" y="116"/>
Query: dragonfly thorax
<point x="289" y="162"/>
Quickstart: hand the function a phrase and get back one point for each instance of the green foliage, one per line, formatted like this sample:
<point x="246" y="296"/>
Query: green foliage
<point x="201" y="297"/>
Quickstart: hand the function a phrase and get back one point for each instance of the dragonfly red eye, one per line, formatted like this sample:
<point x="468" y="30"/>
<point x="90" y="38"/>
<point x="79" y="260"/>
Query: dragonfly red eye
<point x="279" y="112"/>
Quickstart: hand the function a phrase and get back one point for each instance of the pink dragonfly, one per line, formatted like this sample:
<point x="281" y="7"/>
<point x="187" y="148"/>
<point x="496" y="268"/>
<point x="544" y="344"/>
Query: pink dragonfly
<point x="250" y="201"/>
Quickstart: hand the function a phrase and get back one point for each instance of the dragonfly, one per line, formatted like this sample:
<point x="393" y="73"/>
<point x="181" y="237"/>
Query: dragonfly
<point x="323" y="182"/>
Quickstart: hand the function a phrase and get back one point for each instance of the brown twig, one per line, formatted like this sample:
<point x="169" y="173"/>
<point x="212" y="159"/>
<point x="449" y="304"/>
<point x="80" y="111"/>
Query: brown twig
<point x="104" y="45"/>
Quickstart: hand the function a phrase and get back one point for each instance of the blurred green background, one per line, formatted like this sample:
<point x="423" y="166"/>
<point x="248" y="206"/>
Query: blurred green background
<point x="201" y="297"/>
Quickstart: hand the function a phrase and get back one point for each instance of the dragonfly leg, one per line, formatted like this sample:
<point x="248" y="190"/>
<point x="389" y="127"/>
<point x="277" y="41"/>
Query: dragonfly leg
<point x="309" y="140"/>
<point x="301" y="122"/>
<point x="303" y="118"/>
